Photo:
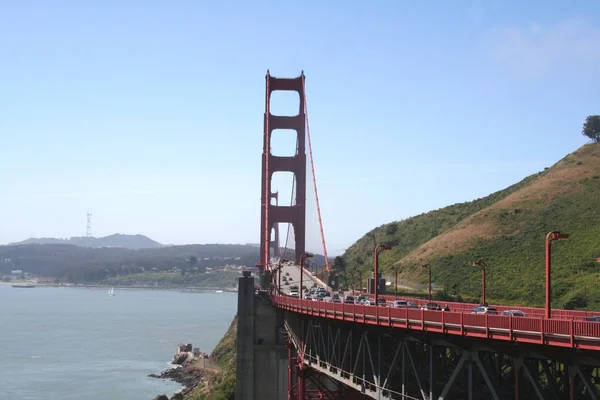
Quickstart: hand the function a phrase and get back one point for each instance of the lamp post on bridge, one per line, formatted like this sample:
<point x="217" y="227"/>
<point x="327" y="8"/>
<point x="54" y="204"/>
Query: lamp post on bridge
<point x="396" y="268"/>
<point x="302" y="258"/>
<point x="550" y="237"/>
<point x="378" y="249"/>
<point x="480" y="263"/>
<point x="428" y="267"/>
<point x="279" y="268"/>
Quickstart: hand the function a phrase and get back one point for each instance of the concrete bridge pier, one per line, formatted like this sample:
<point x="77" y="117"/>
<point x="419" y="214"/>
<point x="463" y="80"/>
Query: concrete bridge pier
<point x="262" y="359"/>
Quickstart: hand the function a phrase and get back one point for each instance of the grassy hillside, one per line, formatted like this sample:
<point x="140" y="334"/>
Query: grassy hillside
<point x="507" y="230"/>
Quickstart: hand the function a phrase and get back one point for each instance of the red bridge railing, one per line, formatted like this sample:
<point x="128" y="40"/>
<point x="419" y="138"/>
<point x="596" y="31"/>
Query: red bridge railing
<point x="552" y="332"/>
<point x="530" y="311"/>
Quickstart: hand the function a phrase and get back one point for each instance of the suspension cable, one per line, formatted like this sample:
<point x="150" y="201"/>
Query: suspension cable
<point x="312" y="166"/>
<point x="289" y="225"/>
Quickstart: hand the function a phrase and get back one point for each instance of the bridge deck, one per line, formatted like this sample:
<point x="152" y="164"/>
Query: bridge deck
<point x="530" y="311"/>
<point x="552" y="332"/>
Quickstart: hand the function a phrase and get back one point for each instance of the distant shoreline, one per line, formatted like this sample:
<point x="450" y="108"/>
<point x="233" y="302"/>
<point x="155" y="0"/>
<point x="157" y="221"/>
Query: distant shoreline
<point x="133" y="287"/>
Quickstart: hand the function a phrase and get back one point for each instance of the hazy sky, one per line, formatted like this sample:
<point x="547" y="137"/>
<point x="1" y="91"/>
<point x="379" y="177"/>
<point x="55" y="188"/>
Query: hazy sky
<point x="150" y="113"/>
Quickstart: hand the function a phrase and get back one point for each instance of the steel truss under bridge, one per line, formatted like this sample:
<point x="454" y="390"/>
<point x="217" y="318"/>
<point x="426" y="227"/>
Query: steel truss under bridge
<point x="388" y="364"/>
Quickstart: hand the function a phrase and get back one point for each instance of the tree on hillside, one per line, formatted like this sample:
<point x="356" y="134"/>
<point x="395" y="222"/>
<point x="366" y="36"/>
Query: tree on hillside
<point x="339" y="264"/>
<point x="591" y="127"/>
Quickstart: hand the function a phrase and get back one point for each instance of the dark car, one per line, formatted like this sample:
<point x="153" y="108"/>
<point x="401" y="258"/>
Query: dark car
<point x="514" y="313"/>
<point x="431" y="307"/>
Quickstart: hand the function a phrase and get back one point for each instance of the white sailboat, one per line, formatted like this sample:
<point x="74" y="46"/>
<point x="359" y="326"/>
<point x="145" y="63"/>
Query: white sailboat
<point x="111" y="292"/>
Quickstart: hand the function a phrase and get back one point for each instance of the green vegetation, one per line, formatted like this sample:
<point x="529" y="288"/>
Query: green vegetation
<point x="507" y="230"/>
<point x="224" y="354"/>
<point x="217" y="278"/>
<point x="69" y="263"/>
<point x="591" y="127"/>
<point x="77" y="264"/>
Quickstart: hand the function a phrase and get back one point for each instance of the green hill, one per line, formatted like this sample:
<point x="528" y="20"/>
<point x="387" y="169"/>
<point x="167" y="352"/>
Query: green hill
<point x="507" y="230"/>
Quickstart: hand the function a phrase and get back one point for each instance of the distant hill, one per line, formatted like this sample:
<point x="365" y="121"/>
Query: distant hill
<point x="506" y="229"/>
<point x="132" y="242"/>
<point x="83" y="264"/>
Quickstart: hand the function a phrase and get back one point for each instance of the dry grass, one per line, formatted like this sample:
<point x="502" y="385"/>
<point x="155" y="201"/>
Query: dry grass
<point x="565" y="176"/>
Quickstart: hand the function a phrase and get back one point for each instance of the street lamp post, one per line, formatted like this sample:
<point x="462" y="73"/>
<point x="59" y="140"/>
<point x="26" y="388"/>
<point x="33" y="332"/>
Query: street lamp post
<point x="279" y="268"/>
<point x="302" y="258"/>
<point x="481" y="264"/>
<point x="378" y="249"/>
<point x="396" y="282"/>
<point x="279" y="279"/>
<point x="428" y="267"/>
<point x="551" y="236"/>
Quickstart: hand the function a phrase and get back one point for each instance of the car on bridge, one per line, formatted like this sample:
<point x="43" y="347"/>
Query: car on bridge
<point x="431" y="307"/>
<point x="380" y="302"/>
<point x="484" y="310"/>
<point x="514" y="313"/>
<point x="404" y="304"/>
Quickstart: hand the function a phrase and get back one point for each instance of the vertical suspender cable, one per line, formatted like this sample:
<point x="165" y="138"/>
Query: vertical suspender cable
<point x="312" y="166"/>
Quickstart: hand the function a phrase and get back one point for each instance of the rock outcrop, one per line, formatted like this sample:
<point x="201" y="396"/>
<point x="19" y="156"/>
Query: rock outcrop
<point x="202" y="375"/>
<point x="180" y="358"/>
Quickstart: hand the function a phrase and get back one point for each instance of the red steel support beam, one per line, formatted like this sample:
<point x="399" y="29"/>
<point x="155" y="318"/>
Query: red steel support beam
<point x="301" y="383"/>
<point x="275" y="244"/>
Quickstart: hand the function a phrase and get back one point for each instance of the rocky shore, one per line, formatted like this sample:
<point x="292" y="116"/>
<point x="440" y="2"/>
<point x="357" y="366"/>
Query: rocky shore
<point x="203" y="377"/>
<point x="191" y="376"/>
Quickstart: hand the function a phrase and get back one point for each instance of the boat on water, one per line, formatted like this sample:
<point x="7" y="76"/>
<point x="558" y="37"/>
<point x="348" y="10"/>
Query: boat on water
<point x="219" y="291"/>
<point x="23" y="285"/>
<point x="111" y="292"/>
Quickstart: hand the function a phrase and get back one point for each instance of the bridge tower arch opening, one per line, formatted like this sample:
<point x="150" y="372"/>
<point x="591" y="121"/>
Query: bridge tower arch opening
<point x="274" y="214"/>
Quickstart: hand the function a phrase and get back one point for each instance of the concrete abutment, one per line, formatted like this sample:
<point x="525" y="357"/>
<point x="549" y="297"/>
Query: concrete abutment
<point x="262" y="359"/>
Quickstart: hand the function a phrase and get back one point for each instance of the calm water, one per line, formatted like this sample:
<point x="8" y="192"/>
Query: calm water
<point x="68" y="344"/>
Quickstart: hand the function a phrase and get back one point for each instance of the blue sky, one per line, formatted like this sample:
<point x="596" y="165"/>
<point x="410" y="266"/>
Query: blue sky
<point x="150" y="113"/>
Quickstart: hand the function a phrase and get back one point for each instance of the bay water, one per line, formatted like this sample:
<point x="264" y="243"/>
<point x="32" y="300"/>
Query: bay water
<point x="79" y="343"/>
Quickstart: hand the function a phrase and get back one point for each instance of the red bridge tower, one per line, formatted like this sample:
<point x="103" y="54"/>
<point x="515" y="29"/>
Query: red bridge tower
<point x="274" y="214"/>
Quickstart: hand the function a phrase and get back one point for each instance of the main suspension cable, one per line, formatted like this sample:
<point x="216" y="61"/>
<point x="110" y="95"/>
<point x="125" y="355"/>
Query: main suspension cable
<point x="312" y="166"/>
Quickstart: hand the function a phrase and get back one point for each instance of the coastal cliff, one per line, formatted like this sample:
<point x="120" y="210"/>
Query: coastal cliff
<point x="207" y="379"/>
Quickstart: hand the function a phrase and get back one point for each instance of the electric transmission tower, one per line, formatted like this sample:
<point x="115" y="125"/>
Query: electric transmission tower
<point x="88" y="231"/>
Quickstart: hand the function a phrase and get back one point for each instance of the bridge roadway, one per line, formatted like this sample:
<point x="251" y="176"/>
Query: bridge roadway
<point x="293" y="278"/>
<point x="553" y="332"/>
